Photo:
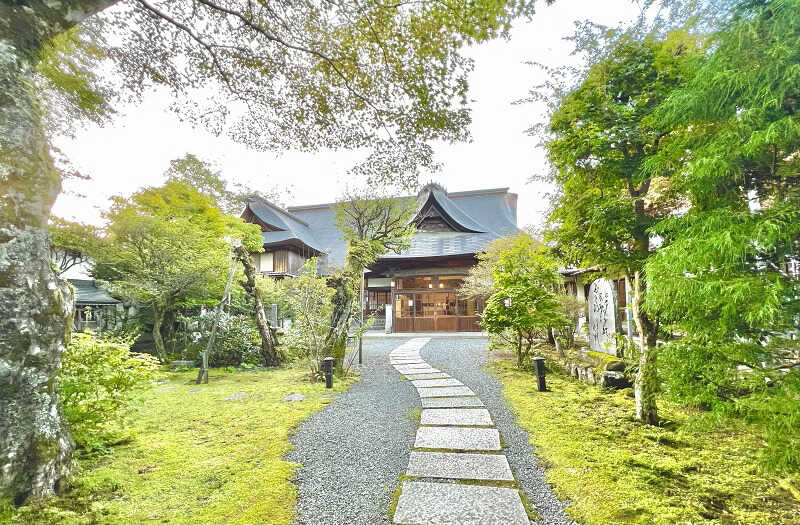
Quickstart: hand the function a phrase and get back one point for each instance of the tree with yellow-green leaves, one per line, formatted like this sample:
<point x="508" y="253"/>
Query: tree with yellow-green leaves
<point x="167" y="246"/>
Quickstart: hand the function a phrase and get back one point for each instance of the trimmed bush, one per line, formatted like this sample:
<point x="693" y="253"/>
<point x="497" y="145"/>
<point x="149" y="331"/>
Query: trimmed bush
<point x="98" y="378"/>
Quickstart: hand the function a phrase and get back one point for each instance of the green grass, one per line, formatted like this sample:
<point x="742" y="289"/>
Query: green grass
<point x="614" y="470"/>
<point x="194" y="457"/>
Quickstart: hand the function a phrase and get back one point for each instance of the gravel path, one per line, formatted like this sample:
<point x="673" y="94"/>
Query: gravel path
<point x="354" y="451"/>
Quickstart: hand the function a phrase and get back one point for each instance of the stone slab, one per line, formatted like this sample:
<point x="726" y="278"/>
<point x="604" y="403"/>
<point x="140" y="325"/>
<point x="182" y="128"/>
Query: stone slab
<point x="405" y="370"/>
<point x="449" y="503"/>
<point x="452" y="465"/>
<point x="456" y="416"/>
<point x="421" y="364"/>
<point x="447" y="391"/>
<point x="452" y="402"/>
<point x="432" y="375"/>
<point x="407" y="361"/>
<point x="429" y="383"/>
<point x="458" y="438"/>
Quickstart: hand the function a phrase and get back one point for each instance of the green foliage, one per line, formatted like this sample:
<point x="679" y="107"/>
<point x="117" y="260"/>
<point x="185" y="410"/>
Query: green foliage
<point x="206" y="179"/>
<point x="523" y="302"/>
<point x="311" y="302"/>
<point x="600" y="139"/>
<point x="613" y="469"/>
<point x="97" y="379"/>
<point x="570" y="308"/>
<point x="479" y="283"/>
<point x="374" y="223"/>
<point x="236" y="343"/>
<point x="194" y="458"/>
<point x="71" y="243"/>
<point x="166" y="246"/>
<point x="68" y="83"/>
<point x="721" y="276"/>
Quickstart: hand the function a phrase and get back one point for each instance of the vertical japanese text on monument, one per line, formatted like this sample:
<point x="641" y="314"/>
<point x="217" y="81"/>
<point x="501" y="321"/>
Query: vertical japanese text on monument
<point x="602" y="317"/>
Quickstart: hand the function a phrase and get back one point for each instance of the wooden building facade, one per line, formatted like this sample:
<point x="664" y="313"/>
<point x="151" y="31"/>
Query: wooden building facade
<point x="413" y="291"/>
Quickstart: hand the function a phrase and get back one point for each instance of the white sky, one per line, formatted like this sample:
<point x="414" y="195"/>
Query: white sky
<point x="135" y="149"/>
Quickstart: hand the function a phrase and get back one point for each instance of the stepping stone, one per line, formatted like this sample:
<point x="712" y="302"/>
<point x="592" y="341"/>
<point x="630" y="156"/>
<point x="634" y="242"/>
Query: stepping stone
<point x="168" y="389"/>
<point x="237" y="395"/>
<point x="407" y="361"/>
<point x="449" y="503"/>
<point x="447" y="391"/>
<point x="451" y="402"/>
<point x="432" y="375"/>
<point x="294" y="397"/>
<point x="488" y="467"/>
<point x="458" y="438"/>
<point x="421" y="364"/>
<point x="456" y="416"/>
<point x="428" y="383"/>
<point x="405" y="370"/>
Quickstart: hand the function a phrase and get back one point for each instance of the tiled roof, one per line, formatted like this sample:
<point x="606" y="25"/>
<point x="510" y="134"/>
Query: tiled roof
<point x="288" y="226"/>
<point x="87" y="293"/>
<point x="485" y="214"/>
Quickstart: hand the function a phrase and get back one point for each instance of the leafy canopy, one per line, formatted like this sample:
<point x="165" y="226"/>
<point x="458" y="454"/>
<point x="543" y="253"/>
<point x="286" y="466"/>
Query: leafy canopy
<point x="523" y="302"/>
<point x="167" y="245"/>
<point x="723" y="274"/>
<point x="599" y="141"/>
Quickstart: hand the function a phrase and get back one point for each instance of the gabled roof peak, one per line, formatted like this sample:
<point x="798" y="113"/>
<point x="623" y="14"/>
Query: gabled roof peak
<point x="430" y="187"/>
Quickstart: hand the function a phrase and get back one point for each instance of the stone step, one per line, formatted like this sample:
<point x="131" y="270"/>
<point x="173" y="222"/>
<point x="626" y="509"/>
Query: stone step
<point x="456" y="416"/>
<point x="453" y="465"/>
<point x="458" y="438"/>
<point x="448" y="503"/>
<point x="452" y="402"/>
<point x="448" y="391"/>
<point x="423" y="383"/>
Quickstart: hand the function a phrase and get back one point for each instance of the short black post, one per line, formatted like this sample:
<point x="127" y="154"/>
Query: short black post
<point x="539" y="364"/>
<point x="360" y="360"/>
<point x="327" y="369"/>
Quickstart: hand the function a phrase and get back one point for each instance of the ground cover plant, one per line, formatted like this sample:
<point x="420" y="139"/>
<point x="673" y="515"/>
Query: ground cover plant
<point x="614" y="469"/>
<point x="195" y="457"/>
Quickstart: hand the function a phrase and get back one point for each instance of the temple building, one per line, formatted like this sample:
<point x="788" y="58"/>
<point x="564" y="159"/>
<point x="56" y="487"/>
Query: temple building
<point x="413" y="291"/>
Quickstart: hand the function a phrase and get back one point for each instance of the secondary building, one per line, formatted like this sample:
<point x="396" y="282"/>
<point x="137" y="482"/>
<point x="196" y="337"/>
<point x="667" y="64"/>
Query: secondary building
<point x="413" y="291"/>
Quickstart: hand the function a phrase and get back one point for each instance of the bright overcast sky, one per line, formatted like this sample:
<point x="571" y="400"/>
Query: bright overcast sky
<point x="135" y="149"/>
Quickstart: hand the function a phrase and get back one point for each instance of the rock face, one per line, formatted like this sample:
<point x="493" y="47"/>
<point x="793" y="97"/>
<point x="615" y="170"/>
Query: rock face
<point x="35" y="309"/>
<point x="611" y="379"/>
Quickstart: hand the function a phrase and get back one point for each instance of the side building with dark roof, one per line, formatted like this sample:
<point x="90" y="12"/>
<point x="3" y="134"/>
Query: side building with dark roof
<point x="95" y="309"/>
<point x="413" y="291"/>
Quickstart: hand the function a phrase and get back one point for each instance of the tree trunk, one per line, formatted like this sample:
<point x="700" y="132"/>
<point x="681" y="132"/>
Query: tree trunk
<point x="336" y="339"/>
<point x="646" y="383"/>
<point x="158" y="340"/>
<point x="268" y="344"/>
<point x="35" y="306"/>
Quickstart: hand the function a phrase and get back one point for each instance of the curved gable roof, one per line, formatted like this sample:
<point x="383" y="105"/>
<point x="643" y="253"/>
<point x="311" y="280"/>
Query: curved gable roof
<point x="286" y="226"/>
<point x="449" y="211"/>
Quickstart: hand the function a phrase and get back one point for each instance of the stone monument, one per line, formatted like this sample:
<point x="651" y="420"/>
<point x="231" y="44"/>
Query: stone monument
<point x="602" y="317"/>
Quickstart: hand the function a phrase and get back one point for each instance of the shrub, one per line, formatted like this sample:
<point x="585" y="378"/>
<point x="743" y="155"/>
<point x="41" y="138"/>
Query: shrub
<point x="311" y="302"/>
<point x="97" y="380"/>
<point x="237" y="341"/>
